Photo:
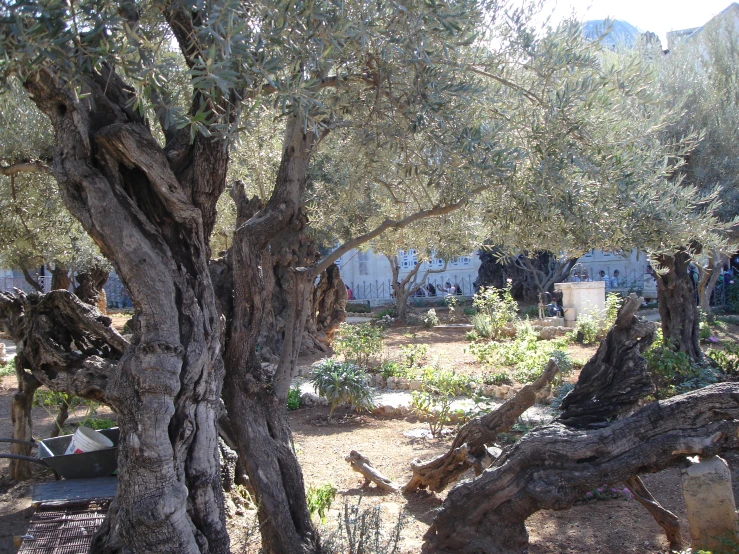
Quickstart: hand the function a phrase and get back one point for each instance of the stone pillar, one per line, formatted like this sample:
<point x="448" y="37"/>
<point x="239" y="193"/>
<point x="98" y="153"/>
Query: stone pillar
<point x="709" y="501"/>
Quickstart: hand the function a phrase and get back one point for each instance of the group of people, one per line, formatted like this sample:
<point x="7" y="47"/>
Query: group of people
<point x="430" y="290"/>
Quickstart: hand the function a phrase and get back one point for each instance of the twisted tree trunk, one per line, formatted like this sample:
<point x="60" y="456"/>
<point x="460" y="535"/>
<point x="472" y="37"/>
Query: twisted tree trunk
<point x="150" y="210"/>
<point x="678" y="308"/>
<point x="554" y="466"/>
<point x="255" y="395"/>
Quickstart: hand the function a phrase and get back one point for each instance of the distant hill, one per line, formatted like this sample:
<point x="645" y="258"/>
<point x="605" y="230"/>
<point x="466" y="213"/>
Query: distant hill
<point x="622" y="32"/>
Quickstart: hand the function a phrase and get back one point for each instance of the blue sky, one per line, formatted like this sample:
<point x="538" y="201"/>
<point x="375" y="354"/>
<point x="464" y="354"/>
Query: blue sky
<point x="658" y="16"/>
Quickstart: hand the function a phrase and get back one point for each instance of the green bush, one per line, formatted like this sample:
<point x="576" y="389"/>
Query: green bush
<point x="293" y="398"/>
<point x="673" y="372"/>
<point x="430" y="319"/>
<point x="320" y="500"/>
<point x="471" y="335"/>
<point x="434" y="401"/>
<point x="496" y="378"/>
<point x="727" y="359"/>
<point x="531" y="311"/>
<point x="526" y="355"/>
<point x="385" y="312"/>
<point x="413" y="355"/>
<point x="8" y="369"/>
<point x="359" y="343"/>
<point x="497" y="308"/>
<point x="357" y="308"/>
<point x="342" y="383"/>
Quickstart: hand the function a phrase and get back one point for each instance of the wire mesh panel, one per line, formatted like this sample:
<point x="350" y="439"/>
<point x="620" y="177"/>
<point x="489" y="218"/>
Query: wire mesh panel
<point x="64" y="529"/>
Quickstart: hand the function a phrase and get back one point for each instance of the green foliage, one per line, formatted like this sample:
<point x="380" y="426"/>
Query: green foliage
<point x="430" y="319"/>
<point x="452" y="302"/>
<point x="434" y="401"/>
<point x="320" y="500"/>
<point x="412" y="355"/>
<point x="673" y="372"/>
<point x="526" y="355"/>
<point x="531" y="312"/>
<point x="8" y="369"/>
<point x="361" y="531"/>
<point x="496" y="378"/>
<point x="560" y="392"/>
<point x="341" y="383"/>
<point x="726" y="359"/>
<point x="471" y="336"/>
<point x="359" y="343"/>
<point x="469" y="311"/>
<point x="293" y="398"/>
<point x="385" y="312"/>
<point x="358" y="308"/>
<point x="593" y="325"/>
<point x="495" y="309"/>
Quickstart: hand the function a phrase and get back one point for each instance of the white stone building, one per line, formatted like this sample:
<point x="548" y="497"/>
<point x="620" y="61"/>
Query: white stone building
<point x="369" y="276"/>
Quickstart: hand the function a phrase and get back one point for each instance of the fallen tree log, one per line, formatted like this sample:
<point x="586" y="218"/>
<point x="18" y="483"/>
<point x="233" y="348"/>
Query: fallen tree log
<point x="362" y="464"/>
<point x="468" y="448"/>
<point x="554" y="466"/>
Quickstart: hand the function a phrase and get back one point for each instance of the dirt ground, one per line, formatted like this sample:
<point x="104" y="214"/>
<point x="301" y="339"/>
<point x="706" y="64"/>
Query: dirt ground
<point x="604" y="526"/>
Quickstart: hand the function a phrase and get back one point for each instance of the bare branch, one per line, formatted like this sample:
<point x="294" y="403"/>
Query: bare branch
<point x="393" y="224"/>
<point x="31" y="166"/>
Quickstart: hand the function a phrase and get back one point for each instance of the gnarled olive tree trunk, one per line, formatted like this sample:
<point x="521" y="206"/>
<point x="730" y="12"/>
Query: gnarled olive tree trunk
<point x="150" y="210"/>
<point x="678" y="305"/>
<point x="255" y="395"/>
<point x="554" y="466"/>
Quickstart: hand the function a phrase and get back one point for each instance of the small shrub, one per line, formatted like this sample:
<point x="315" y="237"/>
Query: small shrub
<point x="727" y="359"/>
<point x="413" y="355"/>
<point x="341" y="383"/>
<point x="359" y="343"/>
<point x="531" y="312"/>
<point x="430" y="319"/>
<point x="434" y="400"/>
<point x="559" y="394"/>
<point x="391" y="369"/>
<point x="673" y="372"/>
<point x="496" y="378"/>
<point x="385" y="312"/>
<point x="8" y="369"/>
<point x="293" y="398"/>
<point x="320" y="500"/>
<point x="471" y="335"/>
<point x="452" y="302"/>
<point x="358" y="308"/>
<point x="498" y="307"/>
<point x="469" y="311"/>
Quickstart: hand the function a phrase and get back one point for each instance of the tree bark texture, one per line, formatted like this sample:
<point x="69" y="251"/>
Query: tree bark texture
<point x="20" y="414"/>
<point x="468" y="448"/>
<point x="678" y="308"/>
<point x="90" y="283"/>
<point x="60" y="277"/>
<point x="150" y="210"/>
<point x="255" y="394"/>
<point x="615" y="379"/>
<point x="327" y="311"/>
<point x="554" y="466"/>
